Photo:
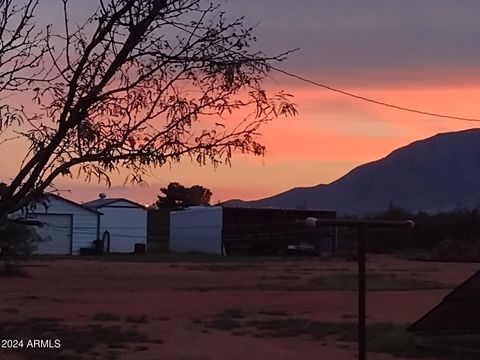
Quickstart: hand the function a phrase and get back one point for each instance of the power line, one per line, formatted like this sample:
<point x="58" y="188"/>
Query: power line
<point x="373" y="101"/>
<point x="346" y="93"/>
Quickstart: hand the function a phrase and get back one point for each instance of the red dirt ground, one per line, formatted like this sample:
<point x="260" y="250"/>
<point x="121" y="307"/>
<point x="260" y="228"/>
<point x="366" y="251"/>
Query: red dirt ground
<point x="175" y="297"/>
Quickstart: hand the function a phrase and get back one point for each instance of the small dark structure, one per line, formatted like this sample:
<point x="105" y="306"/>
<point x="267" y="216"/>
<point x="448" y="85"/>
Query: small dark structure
<point x="158" y="230"/>
<point x="272" y="231"/>
<point x="459" y="312"/>
<point x="95" y="249"/>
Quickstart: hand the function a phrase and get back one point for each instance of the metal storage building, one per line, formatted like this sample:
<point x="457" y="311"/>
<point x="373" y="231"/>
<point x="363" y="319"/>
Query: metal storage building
<point x="235" y="230"/>
<point x="68" y="226"/>
<point x="123" y="220"/>
<point x="196" y="229"/>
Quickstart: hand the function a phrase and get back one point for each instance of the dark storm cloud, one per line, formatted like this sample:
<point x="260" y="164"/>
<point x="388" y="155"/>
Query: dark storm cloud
<point x="387" y="39"/>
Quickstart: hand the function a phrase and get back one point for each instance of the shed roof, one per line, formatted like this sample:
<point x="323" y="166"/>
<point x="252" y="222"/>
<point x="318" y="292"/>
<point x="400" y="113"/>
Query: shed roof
<point x="82" y="206"/>
<point x="458" y="311"/>
<point x="103" y="202"/>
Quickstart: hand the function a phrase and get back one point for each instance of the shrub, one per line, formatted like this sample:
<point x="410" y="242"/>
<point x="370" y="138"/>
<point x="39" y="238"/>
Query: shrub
<point x="17" y="243"/>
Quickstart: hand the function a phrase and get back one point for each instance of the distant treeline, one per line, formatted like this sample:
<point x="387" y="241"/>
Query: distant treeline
<point x="448" y="236"/>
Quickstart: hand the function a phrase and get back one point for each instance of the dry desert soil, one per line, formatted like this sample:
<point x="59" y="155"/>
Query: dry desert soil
<point x="189" y="309"/>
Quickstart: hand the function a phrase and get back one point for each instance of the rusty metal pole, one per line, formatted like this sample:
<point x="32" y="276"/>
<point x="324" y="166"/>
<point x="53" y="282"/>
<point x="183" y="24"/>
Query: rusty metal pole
<point x="362" y="303"/>
<point x="361" y="225"/>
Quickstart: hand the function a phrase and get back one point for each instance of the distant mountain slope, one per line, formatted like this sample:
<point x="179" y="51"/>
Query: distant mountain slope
<point x="438" y="173"/>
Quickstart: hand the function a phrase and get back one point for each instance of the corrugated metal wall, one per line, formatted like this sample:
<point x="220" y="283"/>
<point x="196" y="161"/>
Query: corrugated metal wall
<point x="271" y="231"/>
<point x="84" y="222"/>
<point x="127" y="225"/>
<point x="196" y="230"/>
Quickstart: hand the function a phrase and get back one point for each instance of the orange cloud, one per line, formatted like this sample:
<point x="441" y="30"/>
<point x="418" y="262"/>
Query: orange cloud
<point x="331" y="135"/>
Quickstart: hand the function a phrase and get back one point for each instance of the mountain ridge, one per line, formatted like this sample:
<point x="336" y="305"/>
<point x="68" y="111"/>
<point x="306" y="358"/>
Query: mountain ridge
<point x="439" y="173"/>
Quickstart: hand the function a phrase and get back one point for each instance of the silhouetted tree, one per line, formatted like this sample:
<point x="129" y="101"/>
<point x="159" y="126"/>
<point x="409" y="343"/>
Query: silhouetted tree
<point x="178" y="196"/>
<point x="21" y="54"/>
<point x="198" y="195"/>
<point x="141" y="84"/>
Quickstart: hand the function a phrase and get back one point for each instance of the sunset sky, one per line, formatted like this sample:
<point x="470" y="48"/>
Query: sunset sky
<point x="422" y="54"/>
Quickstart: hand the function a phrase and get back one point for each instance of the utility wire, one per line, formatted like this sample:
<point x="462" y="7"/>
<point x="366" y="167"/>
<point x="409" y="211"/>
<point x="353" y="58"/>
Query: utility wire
<point x="346" y="93"/>
<point x="373" y="101"/>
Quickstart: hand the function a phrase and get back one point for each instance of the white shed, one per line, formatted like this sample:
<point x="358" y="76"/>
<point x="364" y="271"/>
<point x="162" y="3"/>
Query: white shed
<point x="68" y="226"/>
<point x="197" y="228"/>
<point x="124" y="221"/>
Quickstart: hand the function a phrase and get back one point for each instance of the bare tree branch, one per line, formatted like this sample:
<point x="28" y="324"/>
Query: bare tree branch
<point x="144" y="83"/>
